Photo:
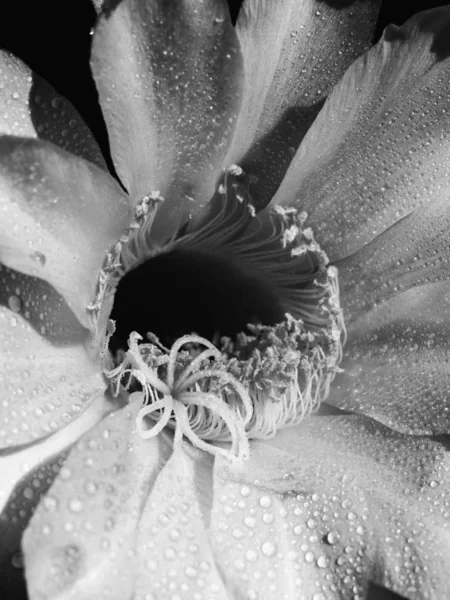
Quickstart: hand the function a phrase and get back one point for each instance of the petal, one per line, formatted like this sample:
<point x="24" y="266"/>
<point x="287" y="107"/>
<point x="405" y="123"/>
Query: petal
<point x="13" y="521"/>
<point x="59" y="216"/>
<point x="22" y="462"/>
<point x="413" y="252"/>
<point x="169" y="78"/>
<point x="328" y="505"/>
<point x="80" y="542"/>
<point x="294" y="53"/>
<point x="397" y="362"/>
<point x="173" y="546"/>
<point x="380" y="146"/>
<point x="30" y="107"/>
<point x="47" y="378"/>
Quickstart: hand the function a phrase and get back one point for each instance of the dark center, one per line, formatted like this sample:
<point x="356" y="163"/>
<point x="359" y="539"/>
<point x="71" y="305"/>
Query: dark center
<point x="191" y="291"/>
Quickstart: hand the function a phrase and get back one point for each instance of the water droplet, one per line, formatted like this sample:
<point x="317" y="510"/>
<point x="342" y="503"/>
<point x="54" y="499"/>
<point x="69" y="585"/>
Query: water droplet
<point x="50" y="503"/>
<point x="17" y="560"/>
<point x="15" y="303"/>
<point x="268" y="548"/>
<point x="65" y="473"/>
<point x="38" y="257"/>
<point x="251" y="555"/>
<point x="322" y="562"/>
<point x="151" y="565"/>
<point x="265" y="501"/>
<point x="332" y="537"/>
<point x="250" y="522"/>
<point x="309" y="557"/>
<point x="91" y="488"/>
<point x="75" y="505"/>
<point x="245" y="491"/>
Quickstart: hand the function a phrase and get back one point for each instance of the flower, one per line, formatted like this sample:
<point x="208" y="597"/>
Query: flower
<point x="355" y="494"/>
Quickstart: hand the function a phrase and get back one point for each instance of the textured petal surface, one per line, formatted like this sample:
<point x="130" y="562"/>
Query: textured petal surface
<point x="380" y="147"/>
<point x="47" y="378"/>
<point x="13" y="521"/>
<point x="25" y="477"/>
<point x="316" y="513"/>
<point x="330" y="504"/>
<point x="173" y="546"/>
<point x="80" y="542"/>
<point x="169" y="78"/>
<point x="30" y="107"/>
<point x="294" y="51"/>
<point x="58" y="217"/>
<point x="397" y="362"/>
<point x="413" y="252"/>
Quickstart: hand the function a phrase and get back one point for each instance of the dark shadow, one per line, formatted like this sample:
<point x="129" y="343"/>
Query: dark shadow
<point x="341" y="4"/>
<point x="399" y="12"/>
<point x="443" y="439"/>
<point x="13" y="522"/>
<point x="44" y="309"/>
<point x="437" y="23"/>
<point x="376" y="592"/>
<point x="271" y="157"/>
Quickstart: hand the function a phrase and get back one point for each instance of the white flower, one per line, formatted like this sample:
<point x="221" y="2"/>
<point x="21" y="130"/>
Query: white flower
<point x="353" y="494"/>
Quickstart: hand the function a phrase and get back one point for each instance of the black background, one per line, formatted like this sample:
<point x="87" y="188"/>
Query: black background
<point x="53" y="38"/>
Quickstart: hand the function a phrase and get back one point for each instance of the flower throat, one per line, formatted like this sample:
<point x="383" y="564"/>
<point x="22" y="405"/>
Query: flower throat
<point x="253" y="295"/>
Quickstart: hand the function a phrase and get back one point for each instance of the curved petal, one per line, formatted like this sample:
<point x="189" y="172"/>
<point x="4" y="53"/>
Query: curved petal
<point x="169" y="78"/>
<point x="44" y="383"/>
<point x="59" y="216"/>
<point x="13" y="521"/>
<point x="25" y="477"/>
<point x="30" y="107"/>
<point x="413" y="252"/>
<point x="80" y="541"/>
<point x="19" y="466"/>
<point x="397" y="362"/>
<point x="294" y="51"/>
<point x="328" y="505"/>
<point x="380" y="146"/>
<point x="173" y="543"/>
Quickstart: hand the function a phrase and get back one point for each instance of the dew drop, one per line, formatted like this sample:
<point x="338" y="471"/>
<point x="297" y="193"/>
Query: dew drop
<point x="322" y="562"/>
<point x="50" y="503"/>
<point x="245" y="491"/>
<point x="265" y="501"/>
<point x="17" y="560"/>
<point x="15" y="303"/>
<point x="38" y="257"/>
<point x="268" y="548"/>
<point x="75" y="505"/>
<point x="332" y="538"/>
<point x="151" y="565"/>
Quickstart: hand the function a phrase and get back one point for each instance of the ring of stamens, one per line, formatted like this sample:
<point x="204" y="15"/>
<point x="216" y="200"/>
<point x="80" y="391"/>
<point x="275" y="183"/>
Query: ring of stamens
<point x="250" y="387"/>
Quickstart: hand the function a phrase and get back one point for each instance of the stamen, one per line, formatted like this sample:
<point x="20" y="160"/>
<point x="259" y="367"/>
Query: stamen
<point x="250" y="386"/>
<point x="176" y="392"/>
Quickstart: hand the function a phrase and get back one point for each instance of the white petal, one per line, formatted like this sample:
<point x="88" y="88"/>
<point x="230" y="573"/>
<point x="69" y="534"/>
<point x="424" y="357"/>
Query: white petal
<point x="30" y="107"/>
<point x="380" y="147"/>
<point x="169" y="79"/>
<point x="294" y="51"/>
<point x="59" y="216"/>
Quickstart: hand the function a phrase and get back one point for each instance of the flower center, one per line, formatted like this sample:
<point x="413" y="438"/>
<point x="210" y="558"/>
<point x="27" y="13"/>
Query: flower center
<point x="232" y="329"/>
<point x="189" y="290"/>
